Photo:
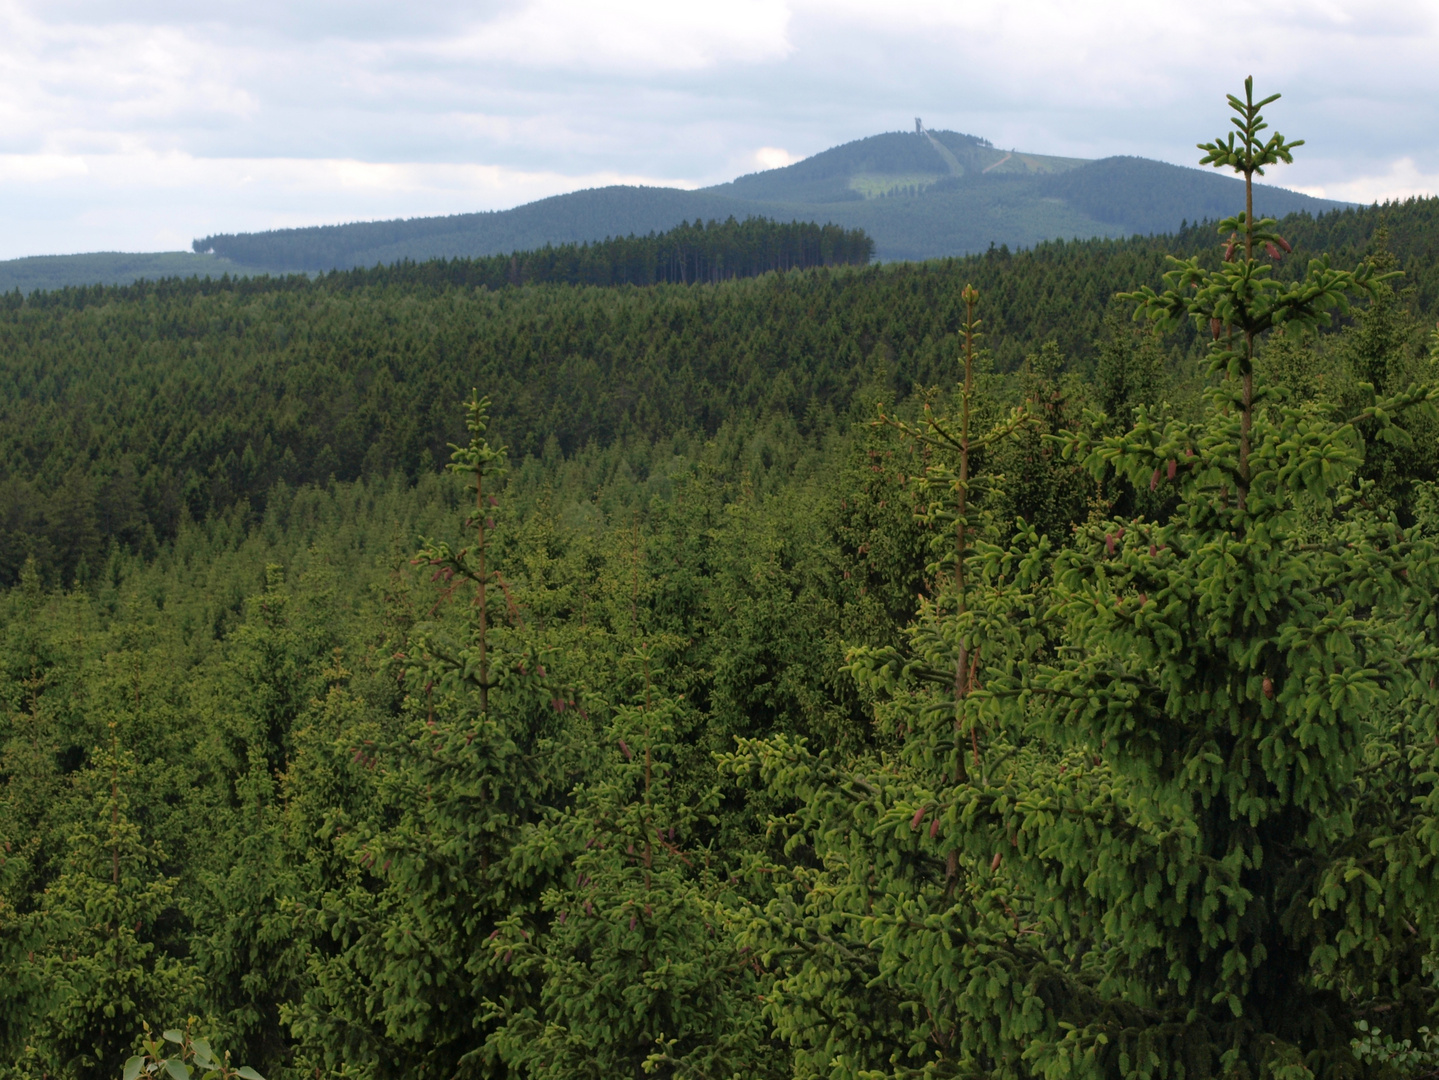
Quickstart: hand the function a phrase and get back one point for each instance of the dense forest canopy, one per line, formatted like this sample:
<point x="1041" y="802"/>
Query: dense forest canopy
<point x="703" y="251"/>
<point x="850" y="672"/>
<point x="689" y="253"/>
<point x="123" y="410"/>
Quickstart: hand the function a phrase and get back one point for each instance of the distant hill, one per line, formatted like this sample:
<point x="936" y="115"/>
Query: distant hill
<point x="919" y="195"/>
<point x="593" y="214"/>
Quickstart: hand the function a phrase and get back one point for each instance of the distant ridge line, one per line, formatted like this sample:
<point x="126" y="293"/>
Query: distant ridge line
<point x="948" y="194"/>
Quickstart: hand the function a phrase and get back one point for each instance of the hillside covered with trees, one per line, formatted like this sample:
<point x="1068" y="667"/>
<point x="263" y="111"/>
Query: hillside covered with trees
<point x="1012" y="666"/>
<point x="920" y="195"/>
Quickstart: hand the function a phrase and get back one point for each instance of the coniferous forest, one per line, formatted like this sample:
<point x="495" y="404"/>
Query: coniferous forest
<point x="713" y="251"/>
<point x="1015" y="666"/>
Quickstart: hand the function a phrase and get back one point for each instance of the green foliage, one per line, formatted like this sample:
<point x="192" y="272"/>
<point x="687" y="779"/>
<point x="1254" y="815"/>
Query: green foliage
<point x="1373" y="1047"/>
<point x="191" y="1055"/>
<point x="640" y="969"/>
<point x="97" y="956"/>
<point x="475" y="771"/>
<point x="1074" y="717"/>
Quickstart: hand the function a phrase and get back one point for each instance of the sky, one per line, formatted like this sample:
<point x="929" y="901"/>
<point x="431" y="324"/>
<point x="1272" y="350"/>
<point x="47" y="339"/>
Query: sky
<point x="140" y="125"/>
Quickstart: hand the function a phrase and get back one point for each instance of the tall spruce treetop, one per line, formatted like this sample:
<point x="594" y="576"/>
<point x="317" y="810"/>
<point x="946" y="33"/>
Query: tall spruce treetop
<point x="485" y="756"/>
<point x="1255" y="680"/>
<point x="1194" y="830"/>
<point x="478" y="459"/>
<point x="1242" y="300"/>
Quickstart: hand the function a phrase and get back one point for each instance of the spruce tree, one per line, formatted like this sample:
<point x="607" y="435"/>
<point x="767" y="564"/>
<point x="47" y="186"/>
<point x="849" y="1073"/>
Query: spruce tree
<point x="443" y="864"/>
<point x="1190" y="830"/>
<point x="101" y="953"/>
<point x="875" y="915"/>
<point x="639" y="968"/>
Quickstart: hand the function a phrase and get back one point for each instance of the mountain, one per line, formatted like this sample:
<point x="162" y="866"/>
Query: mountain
<point x="919" y="195"/>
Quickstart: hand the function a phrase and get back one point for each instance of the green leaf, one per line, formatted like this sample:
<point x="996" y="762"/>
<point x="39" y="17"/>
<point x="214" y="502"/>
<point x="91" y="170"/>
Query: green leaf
<point x="248" y="1073"/>
<point x="177" y="1069"/>
<point x="133" y="1067"/>
<point x="174" y="1035"/>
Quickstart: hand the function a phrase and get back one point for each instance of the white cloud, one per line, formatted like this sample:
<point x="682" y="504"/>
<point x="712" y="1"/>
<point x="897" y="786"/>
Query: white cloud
<point x="123" y="123"/>
<point x="773" y="157"/>
<point x="144" y="201"/>
<point x="629" y="37"/>
<point x="1403" y="180"/>
<point x="62" y="83"/>
<point x="1136" y="76"/>
<point x="40" y="168"/>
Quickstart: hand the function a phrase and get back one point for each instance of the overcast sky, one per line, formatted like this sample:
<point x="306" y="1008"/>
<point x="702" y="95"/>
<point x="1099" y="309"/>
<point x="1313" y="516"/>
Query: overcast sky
<point x="139" y="125"/>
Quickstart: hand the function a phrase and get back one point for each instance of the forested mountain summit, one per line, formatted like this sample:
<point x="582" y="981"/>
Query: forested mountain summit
<point x="893" y="163"/>
<point x="919" y="195"/>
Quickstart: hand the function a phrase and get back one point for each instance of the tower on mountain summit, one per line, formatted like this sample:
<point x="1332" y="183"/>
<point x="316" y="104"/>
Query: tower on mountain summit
<point x="918" y="127"/>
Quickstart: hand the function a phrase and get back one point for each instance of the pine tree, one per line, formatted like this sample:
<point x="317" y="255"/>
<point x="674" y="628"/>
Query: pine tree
<point x="247" y="946"/>
<point x="31" y="849"/>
